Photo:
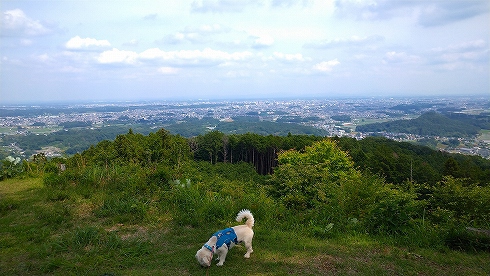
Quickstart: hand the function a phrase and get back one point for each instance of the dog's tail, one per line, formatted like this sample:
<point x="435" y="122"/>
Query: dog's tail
<point x="248" y="215"/>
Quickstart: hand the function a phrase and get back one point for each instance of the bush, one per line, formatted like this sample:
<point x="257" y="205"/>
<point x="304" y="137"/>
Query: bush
<point x="466" y="203"/>
<point x="10" y="167"/>
<point x="394" y="212"/>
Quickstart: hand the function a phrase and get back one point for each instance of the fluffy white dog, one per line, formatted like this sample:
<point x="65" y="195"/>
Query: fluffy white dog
<point x="223" y="240"/>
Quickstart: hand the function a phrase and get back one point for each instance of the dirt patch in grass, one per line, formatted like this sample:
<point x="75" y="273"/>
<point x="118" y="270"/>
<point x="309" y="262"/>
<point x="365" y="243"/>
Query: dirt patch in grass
<point x="326" y="263"/>
<point x="84" y="210"/>
<point x="129" y="232"/>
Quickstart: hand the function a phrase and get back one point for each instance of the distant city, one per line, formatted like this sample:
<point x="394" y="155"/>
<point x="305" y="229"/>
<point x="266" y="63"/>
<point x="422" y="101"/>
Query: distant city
<point x="335" y="117"/>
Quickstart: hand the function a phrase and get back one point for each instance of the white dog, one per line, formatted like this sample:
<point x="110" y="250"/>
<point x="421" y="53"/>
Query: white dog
<point x="223" y="240"/>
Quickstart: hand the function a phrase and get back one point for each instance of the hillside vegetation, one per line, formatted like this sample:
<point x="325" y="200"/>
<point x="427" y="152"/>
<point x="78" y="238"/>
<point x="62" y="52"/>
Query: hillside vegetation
<point x="143" y="205"/>
<point x="433" y="124"/>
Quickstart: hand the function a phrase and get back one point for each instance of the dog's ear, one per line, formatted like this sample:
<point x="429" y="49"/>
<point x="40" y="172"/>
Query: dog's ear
<point x="213" y="240"/>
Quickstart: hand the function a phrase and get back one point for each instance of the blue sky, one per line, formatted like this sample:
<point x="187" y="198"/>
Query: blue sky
<point x="226" y="49"/>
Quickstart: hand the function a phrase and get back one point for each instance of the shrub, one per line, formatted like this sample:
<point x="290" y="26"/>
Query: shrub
<point x="394" y="212"/>
<point x="466" y="203"/>
<point x="11" y="167"/>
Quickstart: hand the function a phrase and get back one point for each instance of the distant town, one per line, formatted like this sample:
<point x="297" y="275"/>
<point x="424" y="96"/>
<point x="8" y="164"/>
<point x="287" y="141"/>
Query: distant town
<point x="337" y="117"/>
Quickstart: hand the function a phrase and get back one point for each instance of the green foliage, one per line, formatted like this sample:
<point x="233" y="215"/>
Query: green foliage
<point x="394" y="212"/>
<point x="398" y="162"/>
<point x="466" y="203"/>
<point x="10" y="167"/>
<point x="217" y="192"/>
<point x="321" y="185"/>
<point x="305" y="180"/>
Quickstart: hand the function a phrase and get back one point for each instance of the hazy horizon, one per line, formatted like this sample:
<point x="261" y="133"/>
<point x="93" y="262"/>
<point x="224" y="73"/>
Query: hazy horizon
<point x="239" y="100"/>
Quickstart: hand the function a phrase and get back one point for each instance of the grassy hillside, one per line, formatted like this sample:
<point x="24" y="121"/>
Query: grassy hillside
<point x="142" y="205"/>
<point x="47" y="231"/>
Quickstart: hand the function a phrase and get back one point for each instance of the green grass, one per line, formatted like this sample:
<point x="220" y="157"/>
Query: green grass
<point x="54" y="232"/>
<point x="484" y="135"/>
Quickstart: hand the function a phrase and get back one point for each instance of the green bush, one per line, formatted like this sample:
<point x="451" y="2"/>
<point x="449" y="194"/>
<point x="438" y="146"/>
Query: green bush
<point x="394" y="212"/>
<point x="53" y="180"/>
<point x="463" y="202"/>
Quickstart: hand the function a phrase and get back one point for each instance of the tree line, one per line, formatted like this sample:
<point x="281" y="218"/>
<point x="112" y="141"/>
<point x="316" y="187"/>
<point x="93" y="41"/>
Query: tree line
<point x="395" y="161"/>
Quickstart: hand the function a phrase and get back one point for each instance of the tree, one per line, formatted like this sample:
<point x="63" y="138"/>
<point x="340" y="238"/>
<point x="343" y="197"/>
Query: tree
<point x="451" y="167"/>
<point x="305" y="179"/>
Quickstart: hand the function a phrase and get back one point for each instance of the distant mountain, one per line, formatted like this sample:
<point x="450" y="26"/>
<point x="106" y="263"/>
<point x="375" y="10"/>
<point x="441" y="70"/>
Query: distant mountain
<point x="430" y="123"/>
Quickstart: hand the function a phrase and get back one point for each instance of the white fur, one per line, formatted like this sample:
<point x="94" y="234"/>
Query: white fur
<point x="244" y="234"/>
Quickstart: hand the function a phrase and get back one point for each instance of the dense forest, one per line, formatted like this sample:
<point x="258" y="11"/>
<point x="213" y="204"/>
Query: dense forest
<point x="434" y="124"/>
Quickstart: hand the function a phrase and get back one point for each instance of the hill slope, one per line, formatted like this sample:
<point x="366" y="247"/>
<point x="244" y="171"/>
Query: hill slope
<point x="431" y="124"/>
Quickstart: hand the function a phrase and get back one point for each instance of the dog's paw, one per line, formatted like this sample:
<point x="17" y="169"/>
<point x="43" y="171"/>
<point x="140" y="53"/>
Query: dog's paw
<point x="219" y="264"/>
<point x="247" y="255"/>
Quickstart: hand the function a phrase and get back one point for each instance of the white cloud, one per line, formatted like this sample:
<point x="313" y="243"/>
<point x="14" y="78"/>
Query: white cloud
<point x="168" y="70"/>
<point x="263" y="41"/>
<point x="400" y="57"/>
<point x="43" y="58"/>
<point x="326" y="66"/>
<point x="26" y="42"/>
<point x="132" y="42"/>
<point x="117" y="56"/>
<point x="182" y="57"/>
<point x="288" y="57"/>
<point x="79" y="43"/>
<point x="468" y="54"/>
<point x="444" y="12"/>
<point x="426" y="13"/>
<point x="16" y="22"/>
<point x="210" y="28"/>
<point x="343" y="42"/>
<point x="205" y="6"/>
<point x="199" y="34"/>
<point x="290" y="3"/>
<point x="194" y="56"/>
<point x="463" y="47"/>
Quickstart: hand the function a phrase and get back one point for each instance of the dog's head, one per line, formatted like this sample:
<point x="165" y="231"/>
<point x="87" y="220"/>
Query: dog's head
<point x="205" y="255"/>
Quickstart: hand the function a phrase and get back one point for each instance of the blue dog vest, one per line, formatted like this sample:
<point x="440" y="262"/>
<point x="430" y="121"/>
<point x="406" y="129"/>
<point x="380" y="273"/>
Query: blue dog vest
<point x="226" y="236"/>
